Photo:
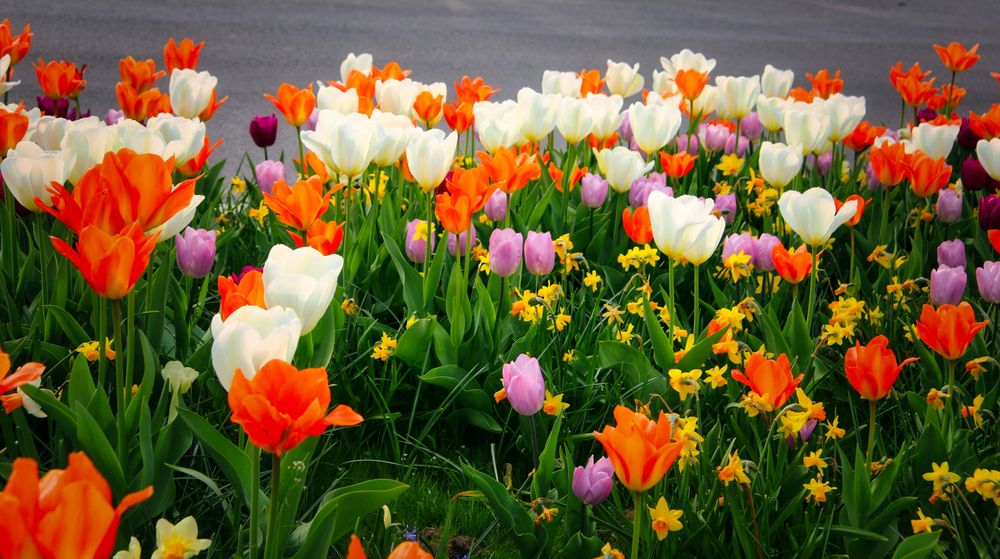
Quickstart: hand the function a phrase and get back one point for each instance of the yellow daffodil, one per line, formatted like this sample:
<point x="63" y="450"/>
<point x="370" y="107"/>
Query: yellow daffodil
<point x="553" y="405"/>
<point x="664" y="519"/>
<point x="817" y="490"/>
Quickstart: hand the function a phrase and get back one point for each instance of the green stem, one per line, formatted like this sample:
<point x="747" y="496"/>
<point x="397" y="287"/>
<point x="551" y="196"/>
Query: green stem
<point x="697" y="302"/>
<point x="871" y="431"/>
<point x="636" y="523"/>
<point x="302" y="153"/>
<point x="812" y="291"/>
<point x="951" y="87"/>
<point x="102" y="335"/>
<point x="270" y="545"/>
<point x="254" y="498"/>
<point x="8" y="239"/>
<point x="673" y="308"/>
<point x="116" y="319"/>
<point x="129" y="349"/>
<point x="952" y="393"/>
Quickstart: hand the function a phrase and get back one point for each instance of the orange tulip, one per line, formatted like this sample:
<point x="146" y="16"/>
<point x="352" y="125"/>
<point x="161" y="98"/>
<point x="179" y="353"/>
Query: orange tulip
<point x="986" y="126"/>
<point x="472" y="90"/>
<point x="391" y="71"/>
<point x="472" y="183"/>
<point x="896" y="73"/>
<point x="65" y="514"/>
<point x="771" y="379"/>
<point x="16" y="46"/>
<point x="889" y="163"/>
<point x="459" y="116"/>
<point x="914" y="91"/>
<point x="212" y="106"/>
<point x="824" y="85"/>
<point x="690" y="83"/>
<point x="591" y="82"/>
<point x="454" y="211"/>
<point x="125" y="188"/>
<point x="194" y="166"/>
<point x="857" y="215"/>
<point x="938" y="102"/>
<point x="872" y="369"/>
<point x="110" y="263"/>
<point x="956" y="57"/>
<point x="676" y="165"/>
<point x="508" y="171"/>
<point x="283" y="405"/>
<point x="364" y="84"/>
<point x="556" y="174"/>
<point x="405" y="550"/>
<point x="598" y="144"/>
<point x="994" y="237"/>
<point x="141" y="75"/>
<point x="301" y="204"/>
<point x="295" y="104"/>
<point x="60" y="79"/>
<point x="801" y="95"/>
<point x="182" y="56"/>
<point x="792" y="266"/>
<point x="323" y="236"/>
<point x="314" y="167"/>
<point x="140" y="106"/>
<point x="13" y="127"/>
<point x="233" y="294"/>
<point x="949" y="329"/>
<point x="640" y="449"/>
<point x="27" y="373"/>
<point x="637" y="225"/>
<point x="927" y="175"/>
<point x="428" y="108"/>
<point x="863" y="136"/>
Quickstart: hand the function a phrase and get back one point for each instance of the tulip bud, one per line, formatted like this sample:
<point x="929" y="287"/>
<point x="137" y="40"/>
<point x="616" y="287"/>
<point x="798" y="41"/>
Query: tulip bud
<point x="264" y="130"/>
<point x="593" y="190"/>
<point x="947" y="285"/>
<point x="762" y="249"/>
<point x="416" y="248"/>
<point x="967" y="137"/>
<point x="713" y="136"/>
<point x="823" y="162"/>
<point x="523" y="384"/>
<point x="113" y="117"/>
<point x="178" y="377"/>
<point x="751" y="126"/>
<point x="592" y="483"/>
<point x="457" y="242"/>
<point x="191" y="92"/>
<point x="988" y="281"/>
<point x="268" y="173"/>
<point x="989" y="212"/>
<point x="737" y="243"/>
<point x="539" y="253"/>
<point x="731" y="145"/>
<point x="949" y="205"/>
<point x="988" y="153"/>
<point x="496" y="206"/>
<point x="303" y="280"/>
<point x="250" y="337"/>
<point x="688" y="144"/>
<point x="642" y="187"/>
<point x="872" y="179"/>
<point x="195" y="252"/>
<point x="725" y="206"/>
<point x="951" y="253"/>
<point x="505" y="251"/>
<point x="310" y="123"/>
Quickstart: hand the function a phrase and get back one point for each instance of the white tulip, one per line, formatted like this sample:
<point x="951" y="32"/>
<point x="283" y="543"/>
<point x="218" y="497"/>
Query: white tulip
<point x="191" y="91"/>
<point x="653" y="126"/>
<point x="663" y="84"/>
<point x="935" y="141"/>
<point x="538" y="113"/>
<point x="330" y="98"/>
<point x="4" y="66"/>
<point x="813" y="214"/>
<point x="574" y="119"/>
<point x="775" y="82"/>
<point x="706" y="102"/>
<point x="250" y="337"/>
<point x="303" y="280"/>
<point x="702" y="238"/>
<point x="170" y="228"/>
<point x="429" y="155"/>
<point x="396" y="96"/>
<point x="779" y="163"/>
<point x="395" y="134"/>
<point x="988" y="153"/>
<point x="737" y="95"/>
<point x="606" y="112"/>
<point x="178" y="377"/>
<point x="361" y="62"/>
<point x="183" y="138"/>
<point x="347" y="143"/>
<point x="687" y="60"/>
<point x="498" y="124"/>
<point x="845" y="114"/>
<point x="677" y="223"/>
<point x="771" y="111"/>
<point x="621" y="166"/>
<point x="806" y="127"/>
<point x="29" y="172"/>
<point x="49" y="132"/>
<point x="89" y="139"/>
<point x="623" y="79"/>
<point x="565" y="84"/>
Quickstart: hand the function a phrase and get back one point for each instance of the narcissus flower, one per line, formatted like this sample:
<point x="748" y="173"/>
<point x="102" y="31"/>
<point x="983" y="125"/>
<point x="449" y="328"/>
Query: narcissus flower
<point x="295" y="104"/>
<point x="770" y="379"/>
<point x="178" y="541"/>
<point x="817" y="490"/>
<point x="948" y="329"/>
<point x="283" y="405"/>
<point x="642" y="450"/>
<point x="872" y="369"/>
<point x="664" y="519"/>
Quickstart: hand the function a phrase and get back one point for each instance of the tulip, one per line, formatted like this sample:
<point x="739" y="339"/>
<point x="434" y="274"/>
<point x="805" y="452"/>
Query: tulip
<point x="653" y="126"/>
<point x="974" y="177"/>
<point x="496" y="206"/>
<point x="625" y="129"/>
<point x="303" y="280"/>
<point x="49" y="131"/>
<point x="951" y="253"/>
<point x="947" y="285"/>
<point x="269" y="172"/>
<point x="165" y="135"/>
<point x="28" y="171"/>
<point x="538" y="113"/>
<point x="775" y="82"/>
<point x="505" y="251"/>
<point x="593" y="190"/>
<point x="191" y="92"/>
<point x="564" y="84"/>
<point x="416" y="240"/>
<point x="606" y="113"/>
<point x="343" y="101"/>
<point x="779" y="164"/>
<point x="677" y="221"/>
<point x="927" y="176"/>
<point x="872" y="369"/>
<point x="988" y="281"/>
<point x="621" y="166"/>
<point x="250" y="337"/>
<point x="195" y="252"/>
<point x="935" y="141"/>
<point x="738" y="243"/>
<point x="687" y="144"/>
<point x="687" y="60"/>
<point x="949" y="205"/>
<point x="771" y="112"/>
<point x="592" y="483"/>
<point x="457" y="243"/>
<point x="295" y="104"/>
<point x="739" y="147"/>
<point x="523" y="385"/>
<point x="956" y="57"/>
<point x="623" y="79"/>
<point x="300" y="205"/>
<point x="713" y="136"/>
<point x="737" y="95"/>
<point x="761" y="258"/>
<point x="792" y="266"/>
<point x="948" y="329"/>
<point x="845" y="113"/>
<point x="574" y="119"/>
<point x="642" y="187"/>
<point x="725" y="206"/>
<point x="967" y="137"/>
<point x="988" y="153"/>
<point x="89" y="141"/>
<point x="58" y="79"/>
<point x="510" y="171"/>
<point x="352" y="62"/>
<point x="751" y="127"/>
<point x="346" y="143"/>
<point x="640" y="449"/>
<point x="14" y="126"/>
<point x="240" y="291"/>
<point x="808" y="128"/>
<point x="770" y="379"/>
<point x="395" y="134"/>
<point x="183" y="55"/>
<point x="539" y="253"/>
<point x="989" y="212"/>
<point x="264" y="130"/>
<point x="497" y="124"/>
<point x="813" y="214"/>
<point x="111" y="264"/>
<point x="637" y="226"/>
<point x="429" y="155"/>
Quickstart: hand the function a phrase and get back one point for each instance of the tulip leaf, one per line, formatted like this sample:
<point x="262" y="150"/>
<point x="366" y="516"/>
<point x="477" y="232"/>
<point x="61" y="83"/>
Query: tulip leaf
<point x="663" y="350"/>
<point x="509" y="512"/>
<point x="57" y="410"/>
<point x="91" y="438"/>
<point x="234" y="463"/>
<point x="917" y="546"/>
<point x="457" y="305"/>
<point x="413" y="344"/>
<point x="83" y="390"/>
<point x="539" y="210"/>
<point x="446" y="376"/>
<point x="633" y="363"/>
<point x="432" y="277"/>
<point x="800" y="341"/>
<point x="546" y="461"/>
<point x="408" y="276"/>
<point x="74" y="332"/>
<point x="478" y="419"/>
<point x="293" y="481"/>
<point x="858" y="533"/>
<point x="695" y="357"/>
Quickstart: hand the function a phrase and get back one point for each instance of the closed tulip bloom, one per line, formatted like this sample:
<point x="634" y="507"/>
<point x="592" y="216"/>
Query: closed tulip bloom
<point x="814" y="215"/>
<point x="653" y="126"/>
<point x="738" y="243"/>
<point x="771" y="112"/>
<point x="736" y="146"/>
<point x="949" y="205"/>
<point x="183" y="55"/>
<point x="303" y="280"/>
<point x="239" y="291"/>
<point x="295" y="104"/>
<point x="498" y="124"/>
<point x="688" y="83"/>
<point x="269" y="172"/>
<point x="110" y="263"/>
<point x="779" y="164"/>
<point x="737" y="95"/>
<point x="792" y="266"/>
<point x="808" y="128"/>
<point x="539" y="253"/>
<point x="301" y="204"/>
<point x="574" y="119"/>
<point x="956" y="57"/>
<point x="564" y="84"/>
<point x="347" y="143"/>
<point x="191" y="92"/>
<point x="935" y="141"/>
<point x="989" y="212"/>
<point x="888" y="161"/>
<point x="988" y="153"/>
<point x="687" y="60"/>
<point x="523" y="385"/>
<point x="606" y="113"/>
<point x="58" y="79"/>
<point x="250" y="337"/>
<point x="623" y="79"/>
<point x="637" y="225"/>
<point x="13" y="127"/>
<point x="947" y="285"/>
<point x="593" y="190"/>
<point x="360" y="62"/>
<point x="951" y="253"/>
<point x="621" y="166"/>
<point x="496" y="206"/>
<point x="538" y="113"/>
<point x="967" y="137"/>
<point x="927" y="175"/>
<point x="505" y="251"/>
<point x="429" y="156"/>
<point x="822" y="163"/>
<point x="28" y="171"/>
<point x="593" y="482"/>
<point x="642" y="187"/>
<point x="641" y="450"/>
<point x="181" y="138"/>
<point x="974" y="177"/>
<point x="770" y="379"/>
<point x="988" y="281"/>
<point x="948" y="329"/>
<point x="281" y="406"/>
<point x="676" y="165"/>
<point x="264" y="130"/>
<point x="751" y="127"/>
<point x="702" y="239"/>
<point x="417" y="236"/>
<point x="675" y="221"/>
<point x="845" y="113"/>
<point x="687" y="144"/>
<point x="397" y="96"/>
<point x="49" y="131"/>
<point x="343" y="101"/>
<point x="762" y="248"/>
<point x="713" y="136"/>
<point x="395" y="133"/>
<point x="872" y="368"/>
<point x="775" y="82"/>
<point x="457" y="243"/>
<point x="706" y="102"/>
<point x="195" y="252"/>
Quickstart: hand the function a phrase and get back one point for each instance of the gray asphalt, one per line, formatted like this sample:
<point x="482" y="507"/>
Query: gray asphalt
<point x="253" y="46"/>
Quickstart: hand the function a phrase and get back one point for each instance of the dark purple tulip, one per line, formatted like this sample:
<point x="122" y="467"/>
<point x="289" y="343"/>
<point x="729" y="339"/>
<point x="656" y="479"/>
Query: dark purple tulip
<point x="973" y="174"/>
<point x="264" y="130"/>
<point x="989" y="212"/>
<point x="54" y="107"/>
<point x="967" y="137"/>
<point x="195" y="252"/>
<point x="988" y="281"/>
<point x="246" y="270"/>
<point x="947" y="285"/>
<point x="926" y="114"/>
<point x="951" y="253"/>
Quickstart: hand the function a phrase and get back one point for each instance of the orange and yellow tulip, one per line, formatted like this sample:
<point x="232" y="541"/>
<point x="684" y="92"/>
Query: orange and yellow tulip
<point x="473" y="183"/>
<point x="140" y="106"/>
<point x="428" y="108"/>
<point x="872" y="368"/>
<point x="183" y="56"/>
<point x="690" y="82"/>
<point x="927" y="175"/>
<point x="640" y="449"/>
<point x="141" y="75"/>
<point x="792" y="266"/>
<point x="323" y="236"/>
<point x="677" y="165"/>
<point x="233" y="294"/>
<point x="914" y="91"/>
<point x="508" y="170"/>
<point x="27" y="373"/>
<point x="110" y="263"/>
<point x="295" y="104"/>
<point x="948" y="329"/>
<point x="857" y="215"/>
<point x="863" y="136"/>
<point x="637" y="225"/>
<point x="13" y="127"/>
<point x="194" y="166"/>
<point x="591" y="82"/>
<point x="405" y="550"/>
<point x="459" y="116"/>
<point x="301" y="204"/>
<point x="454" y="211"/>
<point x="473" y="90"/>
<point x="213" y="105"/>
<point x="556" y="174"/>
<point x="59" y="79"/>
<point x="889" y="163"/>
<point x="283" y="405"/>
<point x="391" y="71"/>
<point x="956" y="57"/>
<point x="825" y="85"/>
<point x="17" y="46"/>
<point x="987" y="125"/>
<point x="770" y="379"/>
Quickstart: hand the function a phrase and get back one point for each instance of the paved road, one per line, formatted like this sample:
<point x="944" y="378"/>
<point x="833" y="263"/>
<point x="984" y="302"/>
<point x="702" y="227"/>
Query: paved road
<point x="254" y="45"/>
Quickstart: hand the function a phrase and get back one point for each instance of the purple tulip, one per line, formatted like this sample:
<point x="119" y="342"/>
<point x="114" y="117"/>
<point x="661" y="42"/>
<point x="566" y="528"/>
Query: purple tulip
<point x="949" y="205"/>
<point x="593" y="190"/>
<point x="268" y="173"/>
<point x="264" y="130"/>
<point x="457" y="242"/>
<point x="195" y="252"/>
<point x="505" y="251"/>
<point x="113" y="117"/>
<point x="713" y="136"/>
<point x="237" y="278"/>
<point x="989" y="212"/>
<point x="873" y="184"/>
<point x="988" y="281"/>
<point x="592" y="483"/>
<point x="642" y="187"/>
<point x="725" y="204"/>
<point x="416" y="249"/>
<point x="926" y="114"/>
<point x="737" y="243"/>
<point x="731" y="145"/>
<point x="687" y="143"/>
<point x="762" y="248"/>
<point x="951" y="253"/>
<point x="807" y="430"/>
<point x="751" y="127"/>
<point x="967" y="137"/>
<point x="524" y="385"/>
<point x="625" y="129"/>
<point x="496" y="206"/>
<point x="947" y="285"/>
<point x="821" y="163"/>
<point x="310" y="123"/>
<point x="539" y="253"/>
<point x="973" y="174"/>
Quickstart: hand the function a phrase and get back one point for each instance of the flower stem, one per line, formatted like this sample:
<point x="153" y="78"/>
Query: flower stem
<point x="812" y="291"/>
<point x="871" y="431"/>
<point x="270" y="545"/>
<point x="673" y="309"/>
<point x="254" y="498"/>
<point x="697" y="302"/>
<point x="102" y="334"/>
<point x="636" y="522"/>
<point x="302" y="154"/>
<point x="116" y="319"/>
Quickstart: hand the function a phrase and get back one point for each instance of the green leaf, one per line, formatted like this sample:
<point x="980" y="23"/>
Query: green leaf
<point x="57" y="410"/>
<point x="432" y="277"/>
<point x="917" y="546"/>
<point x="91" y="437"/>
<point x="799" y="340"/>
<point x="509" y="512"/>
<point x="408" y="276"/>
<point x="663" y="350"/>
<point x="478" y="419"/>
<point x="457" y="305"/>
<point x="235" y="464"/>
<point x="74" y="332"/>
<point x="546" y="461"/>
<point x="412" y="345"/>
<point x="696" y="356"/>
<point x="445" y="376"/>
<point x="850" y="532"/>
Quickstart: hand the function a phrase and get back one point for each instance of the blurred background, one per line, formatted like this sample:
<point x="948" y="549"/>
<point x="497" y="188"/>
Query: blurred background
<point x="253" y="46"/>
